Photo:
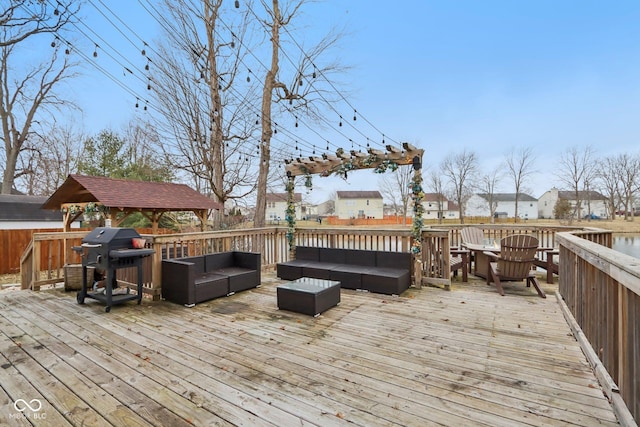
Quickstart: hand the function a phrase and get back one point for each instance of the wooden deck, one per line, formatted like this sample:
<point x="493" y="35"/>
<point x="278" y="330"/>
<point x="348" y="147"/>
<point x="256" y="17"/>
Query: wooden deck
<point x="431" y="357"/>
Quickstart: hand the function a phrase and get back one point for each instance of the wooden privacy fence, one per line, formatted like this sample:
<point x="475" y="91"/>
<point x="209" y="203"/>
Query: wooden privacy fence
<point x="601" y="289"/>
<point x="12" y="245"/>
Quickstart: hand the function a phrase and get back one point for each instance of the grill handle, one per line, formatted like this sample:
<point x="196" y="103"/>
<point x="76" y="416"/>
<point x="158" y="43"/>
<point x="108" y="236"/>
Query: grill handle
<point x="89" y="245"/>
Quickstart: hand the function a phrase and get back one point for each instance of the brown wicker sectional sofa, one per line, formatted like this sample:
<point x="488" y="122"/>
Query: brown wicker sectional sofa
<point x="195" y="279"/>
<point x="374" y="271"/>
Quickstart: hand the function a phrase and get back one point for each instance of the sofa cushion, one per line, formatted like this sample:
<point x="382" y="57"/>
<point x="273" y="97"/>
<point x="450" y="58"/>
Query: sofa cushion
<point x="357" y="257"/>
<point x="392" y="281"/>
<point x="319" y="270"/>
<point x="393" y="260"/>
<point x="307" y="253"/>
<point x="349" y="276"/>
<point x="209" y="286"/>
<point x="197" y="261"/>
<point x="334" y="256"/>
<point x="240" y="278"/>
<point x="217" y="261"/>
<point x="250" y="260"/>
<point x="291" y="270"/>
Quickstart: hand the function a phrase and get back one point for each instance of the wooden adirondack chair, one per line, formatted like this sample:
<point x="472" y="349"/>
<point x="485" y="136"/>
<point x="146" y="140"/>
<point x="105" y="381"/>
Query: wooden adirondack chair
<point x="514" y="262"/>
<point x="472" y="235"/>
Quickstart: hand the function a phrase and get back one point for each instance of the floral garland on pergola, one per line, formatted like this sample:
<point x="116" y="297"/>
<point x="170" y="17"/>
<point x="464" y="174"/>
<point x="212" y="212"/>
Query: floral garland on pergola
<point x="380" y="162"/>
<point x="418" y="211"/>
<point x="290" y="214"/>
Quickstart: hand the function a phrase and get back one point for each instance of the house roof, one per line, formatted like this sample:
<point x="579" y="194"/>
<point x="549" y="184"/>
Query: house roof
<point x="434" y="197"/>
<point x="26" y="208"/>
<point x="584" y="195"/>
<point x="509" y="197"/>
<point x="282" y="197"/>
<point x="124" y="194"/>
<point x="358" y="195"/>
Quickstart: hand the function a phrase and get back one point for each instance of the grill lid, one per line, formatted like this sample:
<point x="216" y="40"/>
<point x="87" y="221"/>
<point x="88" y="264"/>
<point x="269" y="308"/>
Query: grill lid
<point x="111" y="237"/>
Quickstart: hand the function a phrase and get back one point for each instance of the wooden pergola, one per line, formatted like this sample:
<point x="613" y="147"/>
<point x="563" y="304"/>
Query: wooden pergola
<point x="343" y="162"/>
<point x="116" y="199"/>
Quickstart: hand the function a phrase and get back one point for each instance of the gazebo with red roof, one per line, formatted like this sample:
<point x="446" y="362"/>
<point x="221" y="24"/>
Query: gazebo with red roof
<point x="152" y="199"/>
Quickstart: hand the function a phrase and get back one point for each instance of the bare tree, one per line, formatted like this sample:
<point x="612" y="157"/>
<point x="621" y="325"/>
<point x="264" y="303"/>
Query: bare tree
<point x="629" y="167"/>
<point x="436" y="184"/>
<point x="23" y="19"/>
<point x="298" y="94"/>
<point x="487" y="186"/>
<point x="202" y="102"/>
<point x="144" y="162"/>
<point x="575" y="167"/>
<point x="609" y="181"/>
<point x="520" y="166"/>
<point x="395" y="188"/>
<point x="27" y="93"/>
<point x="52" y="157"/>
<point x="460" y="170"/>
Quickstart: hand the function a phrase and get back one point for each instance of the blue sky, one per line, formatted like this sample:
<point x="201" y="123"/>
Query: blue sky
<point x="448" y="75"/>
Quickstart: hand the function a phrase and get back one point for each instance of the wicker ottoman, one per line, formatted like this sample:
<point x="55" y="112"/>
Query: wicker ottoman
<point x="308" y="296"/>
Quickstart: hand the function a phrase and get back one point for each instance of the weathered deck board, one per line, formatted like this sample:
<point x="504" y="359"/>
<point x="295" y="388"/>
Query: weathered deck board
<point x="430" y="357"/>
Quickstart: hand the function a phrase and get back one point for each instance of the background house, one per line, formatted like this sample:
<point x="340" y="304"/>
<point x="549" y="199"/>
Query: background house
<point x="277" y="206"/>
<point x="20" y="212"/>
<point x="478" y="205"/>
<point x="359" y="204"/>
<point x="591" y="202"/>
<point x="437" y="206"/>
<point x="326" y="208"/>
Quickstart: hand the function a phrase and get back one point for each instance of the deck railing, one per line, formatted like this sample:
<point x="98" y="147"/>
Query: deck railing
<point x="546" y="234"/>
<point x="601" y="289"/>
<point x="271" y="242"/>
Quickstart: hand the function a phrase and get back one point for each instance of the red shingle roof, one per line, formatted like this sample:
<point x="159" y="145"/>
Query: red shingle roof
<point x="120" y="193"/>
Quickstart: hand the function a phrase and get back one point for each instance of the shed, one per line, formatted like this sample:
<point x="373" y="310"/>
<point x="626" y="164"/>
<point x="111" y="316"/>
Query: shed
<point x="115" y="196"/>
<point x="19" y="211"/>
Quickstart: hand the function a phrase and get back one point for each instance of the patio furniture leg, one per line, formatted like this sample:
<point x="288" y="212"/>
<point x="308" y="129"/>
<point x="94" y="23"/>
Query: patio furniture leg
<point x="496" y="279"/>
<point x="532" y="279"/>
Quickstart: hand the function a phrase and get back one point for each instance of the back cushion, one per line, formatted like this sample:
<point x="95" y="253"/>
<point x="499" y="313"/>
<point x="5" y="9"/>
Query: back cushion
<point x="219" y="260"/>
<point x="307" y="253"/>
<point x="198" y="262"/>
<point x="394" y="260"/>
<point x="357" y="257"/>
<point x="335" y="256"/>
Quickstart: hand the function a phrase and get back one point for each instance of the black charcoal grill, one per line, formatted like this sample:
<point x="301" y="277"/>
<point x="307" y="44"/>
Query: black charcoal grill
<point x="109" y="249"/>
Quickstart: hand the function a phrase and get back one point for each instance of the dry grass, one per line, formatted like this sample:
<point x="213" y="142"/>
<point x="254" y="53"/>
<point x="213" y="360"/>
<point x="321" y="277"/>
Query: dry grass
<point x="615" y="225"/>
<point x="9" y="279"/>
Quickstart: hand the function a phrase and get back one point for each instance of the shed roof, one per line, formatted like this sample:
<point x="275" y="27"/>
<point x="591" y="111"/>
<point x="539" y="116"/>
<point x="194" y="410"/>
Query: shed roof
<point x="121" y="193"/>
<point x="15" y="207"/>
